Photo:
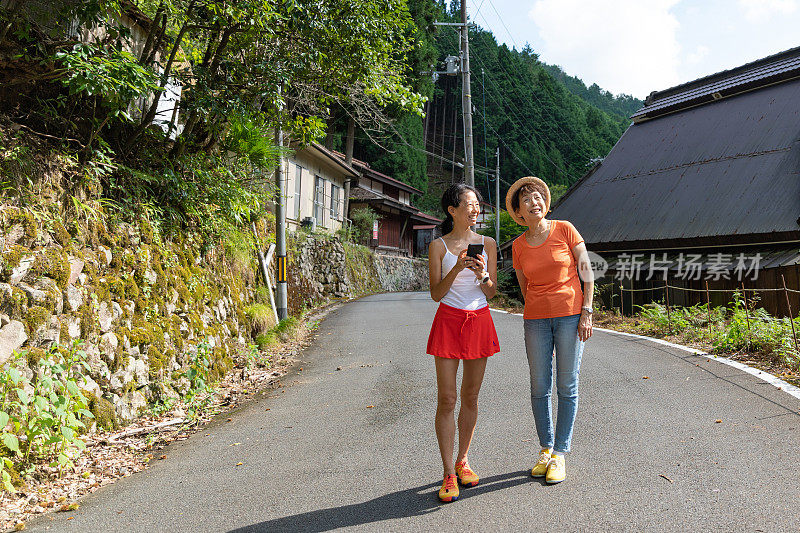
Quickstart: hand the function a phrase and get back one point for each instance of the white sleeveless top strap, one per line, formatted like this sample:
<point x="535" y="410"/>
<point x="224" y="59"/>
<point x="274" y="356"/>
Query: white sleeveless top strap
<point x="465" y="292"/>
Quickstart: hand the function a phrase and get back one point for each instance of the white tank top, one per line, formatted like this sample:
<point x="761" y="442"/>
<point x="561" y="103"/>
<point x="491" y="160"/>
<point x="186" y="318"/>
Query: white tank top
<point x="465" y="292"/>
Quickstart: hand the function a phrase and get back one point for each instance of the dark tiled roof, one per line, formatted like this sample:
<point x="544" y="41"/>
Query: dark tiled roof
<point x="379" y="176"/>
<point x="725" y="173"/>
<point x="766" y="71"/>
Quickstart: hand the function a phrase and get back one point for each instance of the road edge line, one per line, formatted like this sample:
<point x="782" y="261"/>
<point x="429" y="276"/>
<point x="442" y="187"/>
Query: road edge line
<point x="760" y="374"/>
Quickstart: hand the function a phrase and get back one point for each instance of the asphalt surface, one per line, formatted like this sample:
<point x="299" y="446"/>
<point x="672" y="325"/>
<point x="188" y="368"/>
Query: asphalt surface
<point x="648" y="454"/>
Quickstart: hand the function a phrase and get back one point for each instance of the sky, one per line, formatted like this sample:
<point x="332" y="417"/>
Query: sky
<point x="639" y="46"/>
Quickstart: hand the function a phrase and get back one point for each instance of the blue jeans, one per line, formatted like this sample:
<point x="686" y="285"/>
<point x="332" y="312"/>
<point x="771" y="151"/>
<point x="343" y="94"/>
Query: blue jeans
<point x="541" y="336"/>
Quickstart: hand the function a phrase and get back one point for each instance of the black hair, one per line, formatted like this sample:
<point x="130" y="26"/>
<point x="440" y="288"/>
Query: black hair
<point x="452" y="197"/>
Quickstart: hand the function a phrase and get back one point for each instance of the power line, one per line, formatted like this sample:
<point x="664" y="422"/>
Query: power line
<point x="580" y="149"/>
<point x="535" y="140"/>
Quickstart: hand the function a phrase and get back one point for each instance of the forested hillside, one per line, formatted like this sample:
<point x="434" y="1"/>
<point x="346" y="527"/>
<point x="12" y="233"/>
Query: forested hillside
<point x="545" y="122"/>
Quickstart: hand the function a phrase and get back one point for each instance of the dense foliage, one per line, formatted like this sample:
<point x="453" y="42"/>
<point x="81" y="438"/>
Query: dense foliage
<point x="244" y="67"/>
<point x="104" y="87"/>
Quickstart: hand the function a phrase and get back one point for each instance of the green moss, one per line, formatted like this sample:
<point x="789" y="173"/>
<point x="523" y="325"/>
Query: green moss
<point x="161" y="279"/>
<point x="13" y="304"/>
<point x="104" y="413"/>
<point x="146" y="231"/>
<point x="15" y="215"/>
<point x="184" y="273"/>
<point x="35" y="317"/>
<point x="90" y="323"/>
<point x="10" y="259"/>
<point x="131" y="287"/>
<point x="116" y="287"/>
<point x="53" y="264"/>
<point x="184" y="297"/>
<point x="62" y="236"/>
<point x="157" y="362"/>
<point x="101" y="290"/>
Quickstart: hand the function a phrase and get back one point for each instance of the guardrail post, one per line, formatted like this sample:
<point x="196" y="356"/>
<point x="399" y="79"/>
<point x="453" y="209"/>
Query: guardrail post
<point x="669" y="315"/>
<point x="708" y="309"/>
<point x="746" y="314"/>
<point x="789" y="307"/>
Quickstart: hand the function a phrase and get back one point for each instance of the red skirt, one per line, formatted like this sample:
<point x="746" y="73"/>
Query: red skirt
<point x="460" y="334"/>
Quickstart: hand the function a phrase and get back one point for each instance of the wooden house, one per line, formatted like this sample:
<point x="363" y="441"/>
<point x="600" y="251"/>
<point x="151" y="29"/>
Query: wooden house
<point x="315" y="182"/>
<point x="703" y="187"/>
<point x="402" y="228"/>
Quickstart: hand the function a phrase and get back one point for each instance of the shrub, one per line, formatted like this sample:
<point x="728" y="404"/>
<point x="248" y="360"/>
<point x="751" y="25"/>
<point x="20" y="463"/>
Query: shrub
<point x="41" y="416"/>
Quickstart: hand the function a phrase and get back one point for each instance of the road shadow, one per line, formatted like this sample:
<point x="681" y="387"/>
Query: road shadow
<point x="401" y="504"/>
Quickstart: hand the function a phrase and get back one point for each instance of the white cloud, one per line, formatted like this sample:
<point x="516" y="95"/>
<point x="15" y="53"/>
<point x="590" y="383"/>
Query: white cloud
<point x="622" y="45"/>
<point x="760" y="11"/>
<point x="698" y="55"/>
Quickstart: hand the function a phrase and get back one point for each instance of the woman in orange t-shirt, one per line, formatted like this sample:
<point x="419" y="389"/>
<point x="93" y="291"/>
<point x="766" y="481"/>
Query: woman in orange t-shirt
<point x="548" y="258"/>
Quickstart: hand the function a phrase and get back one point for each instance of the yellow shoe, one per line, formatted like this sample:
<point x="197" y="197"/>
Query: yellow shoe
<point x="449" y="490"/>
<point x="540" y="469"/>
<point x="556" y="469"/>
<point x="466" y="476"/>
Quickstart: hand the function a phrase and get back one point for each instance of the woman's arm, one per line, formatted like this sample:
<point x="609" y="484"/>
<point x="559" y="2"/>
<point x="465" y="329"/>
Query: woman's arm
<point x="586" y="275"/>
<point x="490" y="287"/>
<point x="440" y="285"/>
<point x="523" y="282"/>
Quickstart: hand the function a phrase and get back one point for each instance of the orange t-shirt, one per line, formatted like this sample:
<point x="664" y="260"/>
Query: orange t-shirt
<point x="554" y="288"/>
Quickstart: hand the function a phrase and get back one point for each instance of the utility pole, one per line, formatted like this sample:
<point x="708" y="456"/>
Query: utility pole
<point x="466" y="99"/>
<point x="452" y="69"/>
<point x="497" y="198"/>
<point x="280" y="224"/>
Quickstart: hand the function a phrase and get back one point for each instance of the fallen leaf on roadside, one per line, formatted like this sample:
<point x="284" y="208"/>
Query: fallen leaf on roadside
<point x="645" y="377"/>
<point x="718" y="421"/>
<point x="163" y="457"/>
<point x="239" y="464"/>
<point x="19" y="526"/>
<point x="665" y="477"/>
<point x="370" y="406"/>
<point x="236" y="444"/>
<point x="70" y="507"/>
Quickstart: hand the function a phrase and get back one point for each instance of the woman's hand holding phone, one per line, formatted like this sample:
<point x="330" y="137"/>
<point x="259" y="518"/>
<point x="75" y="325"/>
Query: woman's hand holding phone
<point x="478" y="267"/>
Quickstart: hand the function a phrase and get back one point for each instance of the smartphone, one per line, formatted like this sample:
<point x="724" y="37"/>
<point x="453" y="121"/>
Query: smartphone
<point x="474" y="250"/>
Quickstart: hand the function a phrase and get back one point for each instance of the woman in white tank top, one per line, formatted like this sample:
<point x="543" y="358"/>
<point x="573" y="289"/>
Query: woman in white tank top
<point x="462" y="328"/>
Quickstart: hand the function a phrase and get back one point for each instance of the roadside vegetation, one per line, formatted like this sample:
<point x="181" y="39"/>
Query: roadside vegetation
<point x="747" y="334"/>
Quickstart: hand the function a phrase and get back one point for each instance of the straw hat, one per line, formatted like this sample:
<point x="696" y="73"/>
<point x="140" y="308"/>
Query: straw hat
<point x="538" y="184"/>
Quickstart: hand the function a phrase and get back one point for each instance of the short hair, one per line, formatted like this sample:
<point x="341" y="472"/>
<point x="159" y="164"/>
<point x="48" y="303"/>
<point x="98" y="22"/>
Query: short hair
<point x="528" y="188"/>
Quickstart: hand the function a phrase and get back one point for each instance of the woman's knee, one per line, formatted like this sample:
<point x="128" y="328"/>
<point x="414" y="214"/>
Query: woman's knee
<point x="567" y="384"/>
<point x="469" y="399"/>
<point x="446" y="402"/>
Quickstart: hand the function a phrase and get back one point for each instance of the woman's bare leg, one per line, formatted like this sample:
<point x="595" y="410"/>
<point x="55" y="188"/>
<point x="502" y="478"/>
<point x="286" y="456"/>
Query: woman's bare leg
<point x="468" y="414"/>
<point x="446" y="370"/>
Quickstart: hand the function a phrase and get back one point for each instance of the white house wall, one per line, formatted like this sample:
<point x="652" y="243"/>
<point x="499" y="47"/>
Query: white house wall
<point x="311" y="168"/>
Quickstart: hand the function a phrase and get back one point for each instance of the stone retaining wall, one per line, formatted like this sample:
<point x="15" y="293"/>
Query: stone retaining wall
<point x="141" y="303"/>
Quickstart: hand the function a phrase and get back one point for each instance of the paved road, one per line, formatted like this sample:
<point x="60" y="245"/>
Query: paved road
<point x="319" y="459"/>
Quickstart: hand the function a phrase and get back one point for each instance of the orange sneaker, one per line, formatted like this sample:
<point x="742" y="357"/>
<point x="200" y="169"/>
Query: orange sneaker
<point x="466" y="476"/>
<point x="449" y="490"/>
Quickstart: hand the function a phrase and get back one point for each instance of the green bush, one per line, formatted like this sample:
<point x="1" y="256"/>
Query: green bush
<point x="41" y="416"/>
<point x="363" y="221"/>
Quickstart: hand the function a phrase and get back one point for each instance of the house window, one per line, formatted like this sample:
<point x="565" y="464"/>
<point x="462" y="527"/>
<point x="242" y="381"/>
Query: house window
<point x="298" y="187"/>
<point x="335" y="209"/>
<point x="319" y="199"/>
